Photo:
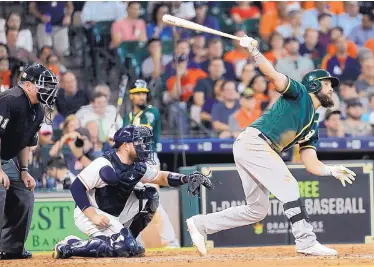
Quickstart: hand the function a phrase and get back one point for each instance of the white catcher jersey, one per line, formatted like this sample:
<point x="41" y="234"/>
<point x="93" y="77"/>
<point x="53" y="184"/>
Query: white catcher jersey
<point x="90" y="177"/>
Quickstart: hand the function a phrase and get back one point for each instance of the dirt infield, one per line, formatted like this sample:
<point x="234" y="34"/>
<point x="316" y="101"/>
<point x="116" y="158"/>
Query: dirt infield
<point x="350" y="255"/>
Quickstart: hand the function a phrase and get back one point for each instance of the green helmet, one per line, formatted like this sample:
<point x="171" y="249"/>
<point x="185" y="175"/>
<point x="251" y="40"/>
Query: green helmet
<point x="312" y="83"/>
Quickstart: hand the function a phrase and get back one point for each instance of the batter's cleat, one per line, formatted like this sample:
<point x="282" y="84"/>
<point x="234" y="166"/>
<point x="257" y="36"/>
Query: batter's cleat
<point x="318" y="250"/>
<point x="197" y="238"/>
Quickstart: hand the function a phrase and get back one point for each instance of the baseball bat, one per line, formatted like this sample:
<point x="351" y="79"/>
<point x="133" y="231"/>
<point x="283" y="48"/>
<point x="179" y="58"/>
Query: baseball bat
<point x="171" y="20"/>
<point x="122" y="90"/>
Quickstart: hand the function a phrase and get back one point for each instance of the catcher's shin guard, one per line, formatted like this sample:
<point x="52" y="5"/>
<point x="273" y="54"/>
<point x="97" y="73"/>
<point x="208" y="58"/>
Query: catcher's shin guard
<point x="145" y="216"/>
<point x="122" y="244"/>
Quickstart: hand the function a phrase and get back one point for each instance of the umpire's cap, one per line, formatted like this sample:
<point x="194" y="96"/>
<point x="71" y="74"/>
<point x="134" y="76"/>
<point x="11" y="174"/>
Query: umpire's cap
<point x="140" y="86"/>
<point x="312" y="79"/>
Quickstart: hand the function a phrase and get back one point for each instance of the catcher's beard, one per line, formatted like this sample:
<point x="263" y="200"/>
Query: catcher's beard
<point x="325" y="100"/>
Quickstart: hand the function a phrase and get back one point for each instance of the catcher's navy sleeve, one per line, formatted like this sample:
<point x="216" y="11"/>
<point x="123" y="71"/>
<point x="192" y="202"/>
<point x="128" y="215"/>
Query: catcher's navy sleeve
<point x="78" y="191"/>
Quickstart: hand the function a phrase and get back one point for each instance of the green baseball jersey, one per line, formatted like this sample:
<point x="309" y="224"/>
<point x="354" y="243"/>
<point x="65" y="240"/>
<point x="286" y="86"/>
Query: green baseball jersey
<point x="292" y="119"/>
<point x="149" y="116"/>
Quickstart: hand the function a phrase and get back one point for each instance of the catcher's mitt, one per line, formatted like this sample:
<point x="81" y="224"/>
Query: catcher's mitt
<point x="194" y="180"/>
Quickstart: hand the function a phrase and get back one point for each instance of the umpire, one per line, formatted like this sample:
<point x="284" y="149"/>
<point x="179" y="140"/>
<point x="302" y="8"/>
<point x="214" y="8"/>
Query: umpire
<point x="22" y="111"/>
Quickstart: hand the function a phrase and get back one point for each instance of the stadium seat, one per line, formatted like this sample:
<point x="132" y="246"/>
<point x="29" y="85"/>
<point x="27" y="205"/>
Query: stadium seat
<point x="251" y="26"/>
<point x="136" y="51"/>
<point x="168" y="47"/>
<point x="226" y="24"/>
<point x="100" y="33"/>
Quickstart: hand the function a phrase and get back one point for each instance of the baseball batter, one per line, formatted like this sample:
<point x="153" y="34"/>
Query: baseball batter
<point x="291" y="120"/>
<point x="110" y="195"/>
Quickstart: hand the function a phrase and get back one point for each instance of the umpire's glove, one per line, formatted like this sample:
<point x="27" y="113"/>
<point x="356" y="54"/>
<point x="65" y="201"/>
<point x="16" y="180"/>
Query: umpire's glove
<point x="342" y="173"/>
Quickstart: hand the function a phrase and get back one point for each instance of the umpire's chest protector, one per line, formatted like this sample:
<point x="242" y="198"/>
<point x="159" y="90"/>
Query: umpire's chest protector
<point x="112" y="199"/>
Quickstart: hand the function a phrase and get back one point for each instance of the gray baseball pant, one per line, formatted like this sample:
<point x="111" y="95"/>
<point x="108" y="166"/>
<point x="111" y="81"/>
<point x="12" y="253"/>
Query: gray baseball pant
<point x="261" y="170"/>
<point x="16" y="208"/>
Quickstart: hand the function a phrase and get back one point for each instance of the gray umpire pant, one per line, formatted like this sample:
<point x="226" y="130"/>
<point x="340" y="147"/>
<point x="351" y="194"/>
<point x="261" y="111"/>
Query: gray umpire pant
<point x="16" y="208"/>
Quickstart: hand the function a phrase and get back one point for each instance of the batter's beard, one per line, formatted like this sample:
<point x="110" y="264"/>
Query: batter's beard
<point x="325" y="100"/>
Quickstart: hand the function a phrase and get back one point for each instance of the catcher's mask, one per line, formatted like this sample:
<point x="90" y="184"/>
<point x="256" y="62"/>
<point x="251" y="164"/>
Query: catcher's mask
<point x="47" y="85"/>
<point x="141" y="137"/>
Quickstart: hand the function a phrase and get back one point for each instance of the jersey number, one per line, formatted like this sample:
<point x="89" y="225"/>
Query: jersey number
<point x="3" y="122"/>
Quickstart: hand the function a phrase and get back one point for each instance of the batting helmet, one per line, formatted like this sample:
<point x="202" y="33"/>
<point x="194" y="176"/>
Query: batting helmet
<point x="312" y="79"/>
<point x="140" y="86"/>
<point x="141" y="136"/>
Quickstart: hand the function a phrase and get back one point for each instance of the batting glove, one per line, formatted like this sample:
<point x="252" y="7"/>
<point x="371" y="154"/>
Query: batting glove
<point x="342" y="173"/>
<point x="247" y="42"/>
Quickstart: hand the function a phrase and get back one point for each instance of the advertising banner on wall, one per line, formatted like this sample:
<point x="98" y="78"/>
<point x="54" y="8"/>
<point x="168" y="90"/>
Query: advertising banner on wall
<point x="339" y="214"/>
<point x="52" y="221"/>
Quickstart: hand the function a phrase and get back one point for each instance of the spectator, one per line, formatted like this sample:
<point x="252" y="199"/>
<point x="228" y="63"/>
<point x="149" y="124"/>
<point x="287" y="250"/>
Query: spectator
<point x="24" y="38"/>
<point x="4" y="51"/>
<point x="45" y="135"/>
<point x="54" y="18"/>
<point x="69" y="98"/>
<point x="294" y="27"/>
<point x="353" y="124"/>
<point x="311" y="46"/>
<point x="259" y="87"/>
<point x="244" y="10"/>
<point x="204" y="89"/>
<point x="294" y="65"/>
<point x="248" y="73"/>
<point x="181" y="9"/>
<point x="5" y="75"/>
<point x="351" y="18"/>
<point x="100" y="111"/>
<point x="57" y="119"/>
<point x="206" y="112"/>
<point x="96" y="11"/>
<point x="334" y="125"/>
<point x="341" y="65"/>
<point x="335" y="34"/>
<point x="71" y="124"/>
<point x="130" y="28"/>
<point x="335" y="7"/>
<point x="310" y="17"/>
<point x="154" y="65"/>
<point x="370" y="44"/>
<point x="369" y="115"/>
<point x="215" y="50"/>
<point x="277" y="51"/>
<point x="79" y="150"/>
<point x="347" y="90"/>
<point x="360" y="34"/>
<point x="18" y="52"/>
<point x="201" y="8"/>
<point x="246" y="114"/>
<point x="181" y="85"/>
<point x="198" y="50"/>
<point x="44" y="52"/>
<point x="54" y="64"/>
<point x="59" y="177"/>
<point x="366" y="81"/>
<point x="237" y="56"/>
<point x="157" y="28"/>
<point x="271" y="20"/>
<point x="99" y="147"/>
<point x="182" y="48"/>
<point x="324" y="22"/>
<point x="221" y="111"/>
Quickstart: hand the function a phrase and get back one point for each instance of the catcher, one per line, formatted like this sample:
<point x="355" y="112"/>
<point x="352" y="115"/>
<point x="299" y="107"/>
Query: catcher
<point x="109" y="195"/>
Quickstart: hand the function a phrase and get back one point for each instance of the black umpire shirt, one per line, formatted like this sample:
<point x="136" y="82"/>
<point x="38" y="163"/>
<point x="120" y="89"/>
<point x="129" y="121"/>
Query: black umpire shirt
<point x="20" y="122"/>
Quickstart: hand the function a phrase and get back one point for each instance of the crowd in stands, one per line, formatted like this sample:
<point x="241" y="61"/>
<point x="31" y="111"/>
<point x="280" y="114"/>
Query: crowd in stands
<point x="203" y="81"/>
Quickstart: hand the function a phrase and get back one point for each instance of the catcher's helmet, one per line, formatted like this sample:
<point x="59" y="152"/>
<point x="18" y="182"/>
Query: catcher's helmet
<point x="141" y="136"/>
<point x="45" y="81"/>
<point x="140" y="86"/>
<point x="312" y="83"/>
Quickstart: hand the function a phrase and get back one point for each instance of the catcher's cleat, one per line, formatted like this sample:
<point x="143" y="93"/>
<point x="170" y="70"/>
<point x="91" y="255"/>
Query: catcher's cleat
<point x="318" y="250"/>
<point x="197" y="238"/>
<point x="61" y="250"/>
